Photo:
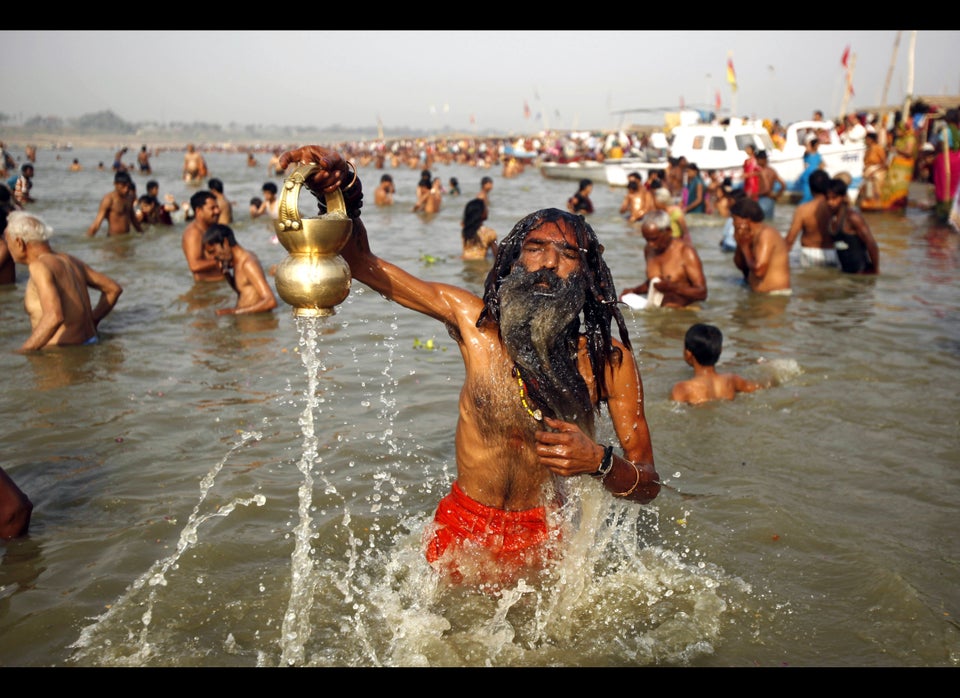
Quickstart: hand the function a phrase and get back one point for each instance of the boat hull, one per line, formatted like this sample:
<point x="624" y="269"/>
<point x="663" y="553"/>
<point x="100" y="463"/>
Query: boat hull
<point x="611" y="172"/>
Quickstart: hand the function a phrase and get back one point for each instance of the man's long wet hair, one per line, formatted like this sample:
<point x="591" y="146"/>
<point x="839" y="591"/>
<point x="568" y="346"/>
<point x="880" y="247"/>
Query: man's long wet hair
<point x="600" y="304"/>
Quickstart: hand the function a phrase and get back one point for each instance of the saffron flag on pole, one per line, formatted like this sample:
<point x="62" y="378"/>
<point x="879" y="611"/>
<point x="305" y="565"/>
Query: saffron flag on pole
<point x="731" y="76"/>
<point x="847" y="63"/>
<point x="718" y="102"/>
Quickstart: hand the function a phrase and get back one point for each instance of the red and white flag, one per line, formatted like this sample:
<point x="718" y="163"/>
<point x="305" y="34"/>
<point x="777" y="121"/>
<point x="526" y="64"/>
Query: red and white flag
<point x="526" y="110"/>
<point x="845" y="61"/>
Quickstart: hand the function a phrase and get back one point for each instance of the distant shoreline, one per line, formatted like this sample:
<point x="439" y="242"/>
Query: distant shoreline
<point x="64" y="142"/>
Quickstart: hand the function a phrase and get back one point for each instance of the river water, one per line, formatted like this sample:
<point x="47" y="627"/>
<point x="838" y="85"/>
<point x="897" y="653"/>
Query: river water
<point x="250" y="491"/>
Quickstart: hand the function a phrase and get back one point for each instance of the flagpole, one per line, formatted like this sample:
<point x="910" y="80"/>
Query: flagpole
<point x="849" y="88"/>
<point x="911" y="55"/>
<point x="886" y="85"/>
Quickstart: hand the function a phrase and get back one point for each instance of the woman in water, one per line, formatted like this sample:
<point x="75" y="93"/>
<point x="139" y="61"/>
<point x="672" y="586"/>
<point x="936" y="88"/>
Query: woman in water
<point x="478" y="239"/>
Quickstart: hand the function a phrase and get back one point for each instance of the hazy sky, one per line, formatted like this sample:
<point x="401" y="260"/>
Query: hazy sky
<point x="468" y="80"/>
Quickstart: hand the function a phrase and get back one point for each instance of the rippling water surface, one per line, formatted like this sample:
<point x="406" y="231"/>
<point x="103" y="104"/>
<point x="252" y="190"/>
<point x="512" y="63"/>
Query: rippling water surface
<point x="250" y="491"/>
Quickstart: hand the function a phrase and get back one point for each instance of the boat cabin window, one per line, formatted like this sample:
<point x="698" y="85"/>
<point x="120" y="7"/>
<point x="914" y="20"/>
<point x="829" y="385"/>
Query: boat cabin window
<point x="802" y="136"/>
<point x="745" y="139"/>
<point x="697" y="143"/>
<point x="766" y="142"/>
<point x="717" y="143"/>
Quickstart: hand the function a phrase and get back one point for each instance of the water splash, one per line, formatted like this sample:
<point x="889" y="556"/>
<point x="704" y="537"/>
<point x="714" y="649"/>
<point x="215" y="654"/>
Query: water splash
<point x="296" y="620"/>
<point x="155" y="578"/>
<point x="628" y="591"/>
<point x="621" y="595"/>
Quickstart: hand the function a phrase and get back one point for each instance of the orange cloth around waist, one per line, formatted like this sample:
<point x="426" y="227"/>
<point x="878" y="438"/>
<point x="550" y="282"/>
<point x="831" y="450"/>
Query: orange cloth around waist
<point x="514" y="537"/>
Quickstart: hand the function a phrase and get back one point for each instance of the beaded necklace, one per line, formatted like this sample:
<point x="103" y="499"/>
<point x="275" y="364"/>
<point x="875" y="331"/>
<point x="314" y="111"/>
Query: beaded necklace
<point x="536" y="414"/>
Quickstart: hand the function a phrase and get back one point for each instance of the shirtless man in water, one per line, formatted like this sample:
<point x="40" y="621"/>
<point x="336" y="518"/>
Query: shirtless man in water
<point x="383" y="195"/>
<point x="674" y="263"/>
<point x="533" y="387"/>
<point x="194" y="166"/>
<point x="857" y="249"/>
<point x="762" y="254"/>
<point x="638" y="201"/>
<point x="243" y="272"/>
<point x="206" y="212"/>
<point x="56" y="296"/>
<point x="811" y="221"/>
<point x="429" y="200"/>
<point x="117" y="208"/>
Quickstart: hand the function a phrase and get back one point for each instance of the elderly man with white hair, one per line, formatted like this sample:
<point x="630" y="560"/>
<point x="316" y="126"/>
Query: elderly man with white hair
<point x="56" y="296"/>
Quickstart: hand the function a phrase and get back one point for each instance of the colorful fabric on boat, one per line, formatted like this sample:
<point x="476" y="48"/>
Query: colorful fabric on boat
<point x="896" y="186"/>
<point x="874" y="175"/>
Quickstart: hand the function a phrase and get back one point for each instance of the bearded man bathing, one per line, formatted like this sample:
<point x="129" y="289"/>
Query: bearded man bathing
<point x="534" y="382"/>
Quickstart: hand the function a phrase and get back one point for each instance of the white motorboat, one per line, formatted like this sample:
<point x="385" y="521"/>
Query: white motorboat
<point x="721" y="147"/>
<point x="612" y="171"/>
<point x="839" y="157"/>
<point x="716" y="147"/>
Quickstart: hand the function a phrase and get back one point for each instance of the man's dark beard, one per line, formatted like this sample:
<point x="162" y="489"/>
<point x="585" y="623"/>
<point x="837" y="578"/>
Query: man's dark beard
<point x="540" y="328"/>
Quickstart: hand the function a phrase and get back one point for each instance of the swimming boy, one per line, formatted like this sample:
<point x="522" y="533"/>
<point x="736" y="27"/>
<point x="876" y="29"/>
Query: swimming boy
<point x="701" y="350"/>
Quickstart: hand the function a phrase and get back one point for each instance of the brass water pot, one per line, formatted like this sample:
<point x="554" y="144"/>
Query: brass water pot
<point x="314" y="278"/>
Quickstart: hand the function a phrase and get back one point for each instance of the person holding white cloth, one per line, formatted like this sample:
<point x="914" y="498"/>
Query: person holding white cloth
<point x="675" y="277"/>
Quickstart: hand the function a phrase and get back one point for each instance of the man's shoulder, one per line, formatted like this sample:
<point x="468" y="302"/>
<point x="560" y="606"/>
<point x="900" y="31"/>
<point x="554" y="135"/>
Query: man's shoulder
<point x="771" y="232"/>
<point x="53" y="261"/>
<point x="805" y="209"/>
<point x="683" y="391"/>
<point x="855" y="216"/>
